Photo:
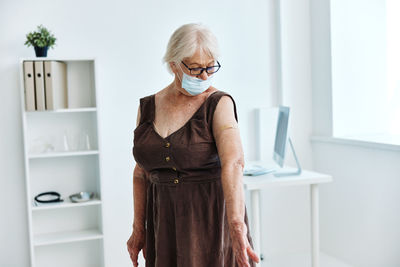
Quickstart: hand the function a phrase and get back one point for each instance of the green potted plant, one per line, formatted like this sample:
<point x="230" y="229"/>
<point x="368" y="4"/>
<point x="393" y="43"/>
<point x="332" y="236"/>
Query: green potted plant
<point x="41" y="40"/>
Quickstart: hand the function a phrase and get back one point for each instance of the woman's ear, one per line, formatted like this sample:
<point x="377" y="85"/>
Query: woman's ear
<point x="172" y="66"/>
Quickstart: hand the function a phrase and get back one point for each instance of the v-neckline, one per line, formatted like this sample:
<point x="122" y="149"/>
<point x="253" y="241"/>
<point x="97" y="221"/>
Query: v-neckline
<point x="184" y="125"/>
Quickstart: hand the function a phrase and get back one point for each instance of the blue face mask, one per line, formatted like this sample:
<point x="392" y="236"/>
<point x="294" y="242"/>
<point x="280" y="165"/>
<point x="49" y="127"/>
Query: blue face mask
<point x="195" y="86"/>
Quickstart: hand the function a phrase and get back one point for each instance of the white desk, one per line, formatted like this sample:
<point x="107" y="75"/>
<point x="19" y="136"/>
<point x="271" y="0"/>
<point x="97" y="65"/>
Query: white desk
<point x="255" y="183"/>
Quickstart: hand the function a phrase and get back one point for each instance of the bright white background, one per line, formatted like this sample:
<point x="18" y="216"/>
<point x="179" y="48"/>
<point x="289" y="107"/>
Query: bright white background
<point x="129" y="38"/>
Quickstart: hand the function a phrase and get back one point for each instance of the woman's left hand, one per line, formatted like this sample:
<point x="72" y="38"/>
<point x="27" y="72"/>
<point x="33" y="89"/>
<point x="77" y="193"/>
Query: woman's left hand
<point x="241" y="245"/>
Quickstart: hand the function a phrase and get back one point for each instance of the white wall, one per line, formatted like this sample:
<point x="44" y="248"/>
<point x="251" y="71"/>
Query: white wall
<point x="360" y="219"/>
<point x="129" y="38"/>
<point x="285" y="211"/>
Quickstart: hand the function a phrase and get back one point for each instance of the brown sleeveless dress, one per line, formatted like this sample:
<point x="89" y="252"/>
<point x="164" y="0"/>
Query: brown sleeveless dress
<point x="186" y="220"/>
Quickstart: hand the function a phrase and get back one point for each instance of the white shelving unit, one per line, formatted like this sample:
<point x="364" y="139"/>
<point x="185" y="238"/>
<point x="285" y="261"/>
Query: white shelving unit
<point x="65" y="233"/>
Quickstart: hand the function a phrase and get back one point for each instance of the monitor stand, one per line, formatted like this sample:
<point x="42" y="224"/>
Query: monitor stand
<point x="298" y="172"/>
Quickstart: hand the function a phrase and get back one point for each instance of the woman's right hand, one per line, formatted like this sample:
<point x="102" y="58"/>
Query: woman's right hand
<point x="136" y="242"/>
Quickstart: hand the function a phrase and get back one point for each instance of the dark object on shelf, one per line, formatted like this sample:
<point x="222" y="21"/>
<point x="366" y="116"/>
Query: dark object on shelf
<point x="41" y="51"/>
<point x="82" y="196"/>
<point x="48" y="197"/>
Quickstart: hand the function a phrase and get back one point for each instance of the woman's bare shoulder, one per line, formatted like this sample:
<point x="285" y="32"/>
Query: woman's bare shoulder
<point x="162" y="92"/>
<point x="225" y="106"/>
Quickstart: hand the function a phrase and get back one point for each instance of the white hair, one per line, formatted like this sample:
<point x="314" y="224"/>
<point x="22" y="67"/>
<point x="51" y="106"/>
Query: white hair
<point x="187" y="39"/>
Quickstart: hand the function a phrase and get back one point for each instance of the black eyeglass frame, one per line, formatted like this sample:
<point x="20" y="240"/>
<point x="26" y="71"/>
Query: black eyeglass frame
<point x="202" y="69"/>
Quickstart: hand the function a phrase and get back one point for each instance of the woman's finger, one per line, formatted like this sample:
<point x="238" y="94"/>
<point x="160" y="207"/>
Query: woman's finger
<point x="133" y="252"/>
<point x="136" y="242"/>
<point x="134" y="260"/>
<point x="253" y="254"/>
<point x="243" y="258"/>
<point x="134" y="257"/>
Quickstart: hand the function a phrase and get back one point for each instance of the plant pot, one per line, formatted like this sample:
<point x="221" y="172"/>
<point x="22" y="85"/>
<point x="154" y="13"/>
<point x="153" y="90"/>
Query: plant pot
<point x="41" y="51"/>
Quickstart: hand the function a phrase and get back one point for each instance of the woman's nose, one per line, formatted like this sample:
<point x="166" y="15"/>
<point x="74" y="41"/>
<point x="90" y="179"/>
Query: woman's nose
<point x="203" y="75"/>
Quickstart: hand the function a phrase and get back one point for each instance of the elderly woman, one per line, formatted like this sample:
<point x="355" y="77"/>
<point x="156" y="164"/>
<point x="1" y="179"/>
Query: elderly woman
<point x="189" y="208"/>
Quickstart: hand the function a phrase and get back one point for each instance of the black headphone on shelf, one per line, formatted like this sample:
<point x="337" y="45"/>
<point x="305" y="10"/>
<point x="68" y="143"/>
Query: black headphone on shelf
<point x="50" y="193"/>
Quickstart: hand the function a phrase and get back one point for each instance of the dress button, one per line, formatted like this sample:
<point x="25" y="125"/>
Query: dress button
<point x="167" y="145"/>
<point x="174" y="168"/>
<point x="176" y="181"/>
<point x="167" y="159"/>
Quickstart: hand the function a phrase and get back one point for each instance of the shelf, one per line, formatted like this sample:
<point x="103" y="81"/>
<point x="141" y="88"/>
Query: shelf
<point x="65" y="204"/>
<point x="66" y="237"/>
<point x="63" y="234"/>
<point x="64" y="154"/>
<point x="66" y="110"/>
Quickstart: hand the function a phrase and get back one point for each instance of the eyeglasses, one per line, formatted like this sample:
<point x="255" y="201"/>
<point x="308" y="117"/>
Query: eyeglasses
<point x="198" y="71"/>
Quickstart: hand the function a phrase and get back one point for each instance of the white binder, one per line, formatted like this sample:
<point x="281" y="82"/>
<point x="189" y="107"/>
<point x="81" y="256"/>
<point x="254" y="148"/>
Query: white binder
<point x="39" y="85"/>
<point x="29" y="89"/>
<point x="56" y="85"/>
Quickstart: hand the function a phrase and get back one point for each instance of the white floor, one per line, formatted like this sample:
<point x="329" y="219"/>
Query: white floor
<point x="290" y="260"/>
<point x="300" y="260"/>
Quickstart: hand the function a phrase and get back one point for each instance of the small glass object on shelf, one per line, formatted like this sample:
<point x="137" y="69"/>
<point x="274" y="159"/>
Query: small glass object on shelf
<point x="72" y="140"/>
<point x="84" y="140"/>
<point x="65" y="142"/>
<point x="76" y="140"/>
<point x="41" y="145"/>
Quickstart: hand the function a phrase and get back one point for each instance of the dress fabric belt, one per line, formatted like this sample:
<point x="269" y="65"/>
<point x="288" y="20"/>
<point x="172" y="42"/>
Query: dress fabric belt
<point x="170" y="179"/>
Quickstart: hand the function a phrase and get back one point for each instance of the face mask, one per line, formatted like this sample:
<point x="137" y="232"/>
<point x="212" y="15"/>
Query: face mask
<point x="195" y="86"/>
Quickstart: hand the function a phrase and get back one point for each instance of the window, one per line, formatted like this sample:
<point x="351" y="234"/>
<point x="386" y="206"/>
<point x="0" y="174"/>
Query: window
<point x="365" y="43"/>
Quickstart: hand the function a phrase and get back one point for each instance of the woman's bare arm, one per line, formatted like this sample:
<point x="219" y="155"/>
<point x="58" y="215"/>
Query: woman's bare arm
<point x="227" y="137"/>
<point x="139" y="198"/>
<point x="137" y="240"/>
<point x="139" y="193"/>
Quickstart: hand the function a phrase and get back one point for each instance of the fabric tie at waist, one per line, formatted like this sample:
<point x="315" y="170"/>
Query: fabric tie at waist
<point x="155" y="178"/>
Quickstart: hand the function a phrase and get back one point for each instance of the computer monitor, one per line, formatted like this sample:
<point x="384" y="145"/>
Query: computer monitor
<point x="281" y="138"/>
<point x="281" y="135"/>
